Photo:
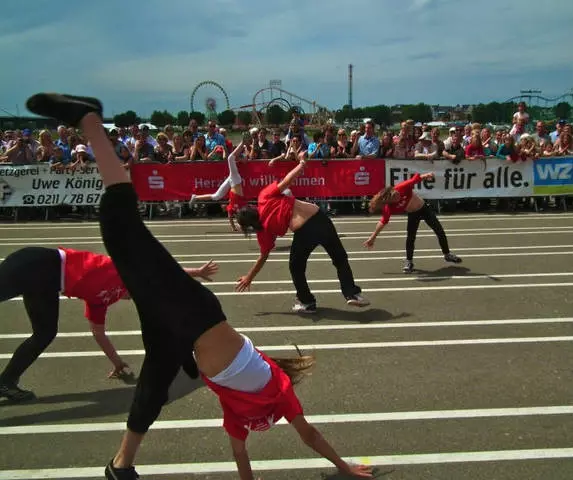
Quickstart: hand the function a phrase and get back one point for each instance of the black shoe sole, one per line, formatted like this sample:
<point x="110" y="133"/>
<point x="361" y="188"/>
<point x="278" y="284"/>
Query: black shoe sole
<point x="67" y="108"/>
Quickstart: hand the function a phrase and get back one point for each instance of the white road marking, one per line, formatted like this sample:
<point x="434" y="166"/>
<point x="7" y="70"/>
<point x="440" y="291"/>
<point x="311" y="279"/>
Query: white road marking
<point x="315" y="419"/>
<point x="336" y="346"/>
<point x="298" y="464"/>
<point x="331" y="327"/>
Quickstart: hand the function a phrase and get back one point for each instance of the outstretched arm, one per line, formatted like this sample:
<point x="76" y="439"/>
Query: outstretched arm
<point x="290" y="176"/>
<point x="313" y="438"/>
<point x="120" y="368"/>
<point x="242" y="459"/>
<point x="244" y="283"/>
<point x="372" y="238"/>
<point x="204" y="271"/>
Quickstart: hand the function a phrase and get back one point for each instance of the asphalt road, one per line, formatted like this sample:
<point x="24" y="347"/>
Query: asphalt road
<point x="454" y="372"/>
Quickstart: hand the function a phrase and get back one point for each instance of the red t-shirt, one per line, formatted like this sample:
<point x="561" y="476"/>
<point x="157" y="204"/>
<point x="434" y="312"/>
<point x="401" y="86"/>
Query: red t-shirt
<point x="473" y="151"/>
<point x="92" y="278"/>
<point x="236" y="202"/>
<point x="244" y="411"/>
<point x="405" y="190"/>
<point x="275" y="213"/>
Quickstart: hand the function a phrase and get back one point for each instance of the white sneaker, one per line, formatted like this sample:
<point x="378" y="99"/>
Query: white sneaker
<point x="300" y="307"/>
<point x="357" y="301"/>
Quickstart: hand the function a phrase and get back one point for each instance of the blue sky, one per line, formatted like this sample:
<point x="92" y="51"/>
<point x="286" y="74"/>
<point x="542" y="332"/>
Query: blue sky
<point x="149" y="54"/>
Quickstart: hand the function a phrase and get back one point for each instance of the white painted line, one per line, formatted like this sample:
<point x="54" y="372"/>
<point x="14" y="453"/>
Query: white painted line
<point x="162" y="237"/>
<point x="388" y="289"/>
<point x="299" y="464"/>
<point x="330" y="327"/>
<point x="233" y="237"/>
<point x="319" y="252"/>
<point x="407" y="278"/>
<point x="315" y="419"/>
<point x="337" y="221"/>
<point x="336" y="346"/>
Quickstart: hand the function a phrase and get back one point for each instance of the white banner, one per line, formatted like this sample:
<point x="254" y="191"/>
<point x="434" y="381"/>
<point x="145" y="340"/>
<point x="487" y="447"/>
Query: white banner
<point x="487" y="178"/>
<point x="39" y="186"/>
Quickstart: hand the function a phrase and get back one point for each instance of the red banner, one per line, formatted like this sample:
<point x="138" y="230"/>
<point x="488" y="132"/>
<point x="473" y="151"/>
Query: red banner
<point x="334" y="178"/>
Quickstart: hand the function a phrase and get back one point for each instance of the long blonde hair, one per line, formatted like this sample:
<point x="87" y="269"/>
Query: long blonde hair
<point x="296" y="368"/>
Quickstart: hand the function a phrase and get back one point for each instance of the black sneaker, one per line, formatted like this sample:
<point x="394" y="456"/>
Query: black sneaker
<point x="15" y="394"/>
<point x="114" y="473"/>
<point x="450" y="257"/>
<point x="66" y="108"/>
<point x="408" y="266"/>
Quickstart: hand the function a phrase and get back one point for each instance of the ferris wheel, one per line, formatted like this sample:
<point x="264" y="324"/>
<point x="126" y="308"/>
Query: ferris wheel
<point x="210" y="98"/>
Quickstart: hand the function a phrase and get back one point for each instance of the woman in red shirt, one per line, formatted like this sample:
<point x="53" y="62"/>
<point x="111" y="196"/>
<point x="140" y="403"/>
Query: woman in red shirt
<point x="181" y="319"/>
<point x="40" y="274"/>
<point x="401" y="198"/>
<point x="233" y="184"/>
<point x="278" y="211"/>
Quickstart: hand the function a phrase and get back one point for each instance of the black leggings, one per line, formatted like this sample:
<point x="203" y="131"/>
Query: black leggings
<point x="427" y="214"/>
<point x="34" y="273"/>
<point x="174" y="309"/>
<point x="319" y="230"/>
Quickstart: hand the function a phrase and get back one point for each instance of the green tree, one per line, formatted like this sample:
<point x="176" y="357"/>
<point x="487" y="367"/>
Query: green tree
<point x="380" y="114"/>
<point x="275" y="115"/>
<point x="226" y="117"/>
<point x="160" y="119"/>
<point x="126" y="119"/>
<point x="199" y="116"/>
<point x="419" y="113"/>
<point x="245" y="117"/>
<point x="343" y="114"/>
<point x="562" y="110"/>
<point x="183" y="118"/>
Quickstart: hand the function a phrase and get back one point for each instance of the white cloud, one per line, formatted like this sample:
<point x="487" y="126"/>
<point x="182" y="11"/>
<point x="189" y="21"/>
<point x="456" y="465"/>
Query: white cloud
<point x="162" y="49"/>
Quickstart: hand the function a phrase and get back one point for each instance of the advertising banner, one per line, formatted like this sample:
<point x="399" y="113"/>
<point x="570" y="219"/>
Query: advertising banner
<point x="39" y="186"/>
<point x="478" y="178"/>
<point x="334" y="178"/>
<point x="553" y="176"/>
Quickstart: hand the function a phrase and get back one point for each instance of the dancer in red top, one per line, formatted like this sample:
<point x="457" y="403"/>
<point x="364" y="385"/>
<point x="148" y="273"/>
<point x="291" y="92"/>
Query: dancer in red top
<point x="278" y="211"/>
<point x="399" y="199"/>
<point x="180" y="317"/>
<point x="40" y="275"/>
<point x="233" y="184"/>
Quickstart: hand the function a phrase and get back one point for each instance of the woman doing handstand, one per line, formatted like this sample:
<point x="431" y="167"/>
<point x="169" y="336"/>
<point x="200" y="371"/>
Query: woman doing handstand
<point x="232" y="185"/>
<point x="180" y="317"/>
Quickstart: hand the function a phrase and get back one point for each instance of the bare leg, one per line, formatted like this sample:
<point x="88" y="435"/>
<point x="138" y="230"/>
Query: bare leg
<point x="130" y="443"/>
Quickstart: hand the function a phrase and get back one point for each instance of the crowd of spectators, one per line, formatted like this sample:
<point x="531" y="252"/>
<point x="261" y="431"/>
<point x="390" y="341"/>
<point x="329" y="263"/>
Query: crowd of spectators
<point x="413" y="141"/>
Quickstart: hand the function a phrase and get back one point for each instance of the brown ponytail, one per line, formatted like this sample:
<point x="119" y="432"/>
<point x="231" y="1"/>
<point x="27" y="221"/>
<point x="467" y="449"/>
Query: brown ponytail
<point x="296" y="367"/>
<point x="382" y="197"/>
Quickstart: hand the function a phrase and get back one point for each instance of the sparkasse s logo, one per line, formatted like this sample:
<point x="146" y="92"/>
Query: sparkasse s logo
<point x="155" y="182"/>
<point x="5" y="191"/>
<point x="362" y="177"/>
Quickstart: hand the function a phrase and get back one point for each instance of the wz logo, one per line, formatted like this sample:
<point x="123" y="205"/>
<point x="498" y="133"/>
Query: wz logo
<point x="553" y="171"/>
<point x="5" y="191"/>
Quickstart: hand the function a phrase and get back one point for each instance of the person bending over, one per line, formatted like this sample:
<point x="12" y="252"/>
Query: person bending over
<point x="277" y="212"/>
<point x="401" y="198"/>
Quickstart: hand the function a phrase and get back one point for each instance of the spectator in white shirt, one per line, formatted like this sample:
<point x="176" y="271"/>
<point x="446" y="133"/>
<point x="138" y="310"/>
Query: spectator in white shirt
<point x="425" y="148"/>
<point x="521" y="114"/>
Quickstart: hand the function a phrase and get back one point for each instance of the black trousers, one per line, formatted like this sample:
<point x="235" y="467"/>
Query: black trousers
<point x="174" y="309"/>
<point x="34" y="273"/>
<point x="427" y="214"/>
<point x="319" y="230"/>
